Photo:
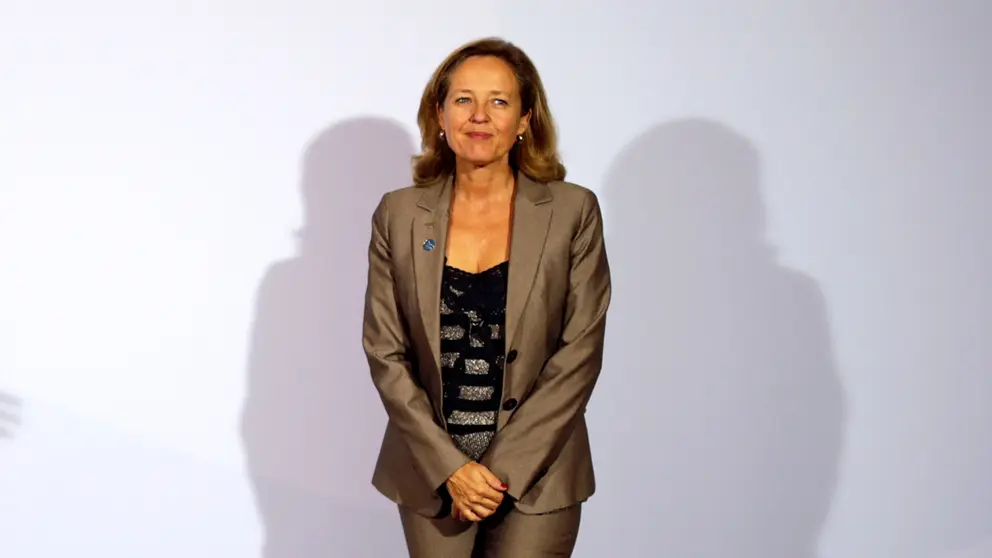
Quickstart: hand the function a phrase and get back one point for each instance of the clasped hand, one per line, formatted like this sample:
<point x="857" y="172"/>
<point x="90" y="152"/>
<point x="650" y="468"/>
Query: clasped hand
<point x="475" y="492"/>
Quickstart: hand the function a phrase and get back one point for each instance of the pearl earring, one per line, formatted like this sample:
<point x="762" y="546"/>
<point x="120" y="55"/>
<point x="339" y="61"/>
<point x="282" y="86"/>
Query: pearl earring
<point x="520" y="138"/>
<point x="441" y="134"/>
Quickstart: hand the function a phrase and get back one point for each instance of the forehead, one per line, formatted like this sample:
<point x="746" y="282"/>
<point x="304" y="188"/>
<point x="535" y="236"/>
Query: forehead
<point x="487" y="73"/>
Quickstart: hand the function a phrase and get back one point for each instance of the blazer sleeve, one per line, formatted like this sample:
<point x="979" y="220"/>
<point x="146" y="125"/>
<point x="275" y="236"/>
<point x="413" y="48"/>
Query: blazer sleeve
<point x="387" y="348"/>
<point x="530" y="442"/>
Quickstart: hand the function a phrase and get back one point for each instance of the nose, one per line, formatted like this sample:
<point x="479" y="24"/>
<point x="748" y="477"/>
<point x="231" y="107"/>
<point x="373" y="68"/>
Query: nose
<point x="479" y="115"/>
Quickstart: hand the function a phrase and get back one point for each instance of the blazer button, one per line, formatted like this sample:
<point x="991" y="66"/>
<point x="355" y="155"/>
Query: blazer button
<point x="511" y="356"/>
<point x="510" y="404"/>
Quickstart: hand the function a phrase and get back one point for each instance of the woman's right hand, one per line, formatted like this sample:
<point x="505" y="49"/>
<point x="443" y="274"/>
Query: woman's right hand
<point x="475" y="492"/>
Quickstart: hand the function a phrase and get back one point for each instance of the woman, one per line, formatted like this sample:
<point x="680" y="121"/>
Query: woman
<point x="485" y="312"/>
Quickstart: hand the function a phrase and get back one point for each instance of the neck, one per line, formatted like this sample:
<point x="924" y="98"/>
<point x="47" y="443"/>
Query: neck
<point x="481" y="183"/>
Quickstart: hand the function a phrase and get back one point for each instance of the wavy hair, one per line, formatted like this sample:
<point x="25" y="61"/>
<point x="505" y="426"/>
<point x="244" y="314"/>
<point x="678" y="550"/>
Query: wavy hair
<point x="536" y="155"/>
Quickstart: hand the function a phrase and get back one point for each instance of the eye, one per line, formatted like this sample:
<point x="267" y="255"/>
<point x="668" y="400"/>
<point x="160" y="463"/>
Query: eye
<point x="500" y="101"/>
<point x="462" y="100"/>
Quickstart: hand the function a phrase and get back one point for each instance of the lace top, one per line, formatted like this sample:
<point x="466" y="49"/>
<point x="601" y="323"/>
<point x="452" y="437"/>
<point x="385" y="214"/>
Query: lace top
<point x="473" y="310"/>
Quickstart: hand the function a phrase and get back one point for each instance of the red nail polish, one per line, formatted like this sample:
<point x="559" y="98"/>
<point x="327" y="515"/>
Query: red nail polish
<point x="503" y="486"/>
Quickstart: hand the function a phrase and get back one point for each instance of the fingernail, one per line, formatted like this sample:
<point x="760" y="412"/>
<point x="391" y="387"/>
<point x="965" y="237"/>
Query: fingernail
<point x="503" y="486"/>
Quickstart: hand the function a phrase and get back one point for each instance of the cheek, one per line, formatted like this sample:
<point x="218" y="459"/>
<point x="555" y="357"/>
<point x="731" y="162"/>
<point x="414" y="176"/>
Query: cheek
<point x="507" y="140"/>
<point x="508" y="130"/>
<point x="508" y="123"/>
<point x="454" y="120"/>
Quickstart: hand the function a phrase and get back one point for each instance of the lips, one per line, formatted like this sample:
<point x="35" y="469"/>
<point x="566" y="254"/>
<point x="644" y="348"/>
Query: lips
<point x="479" y="135"/>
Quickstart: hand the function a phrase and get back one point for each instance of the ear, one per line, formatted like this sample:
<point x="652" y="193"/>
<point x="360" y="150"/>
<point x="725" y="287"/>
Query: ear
<point x="524" y="123"/>
<point x="440" y="115"/>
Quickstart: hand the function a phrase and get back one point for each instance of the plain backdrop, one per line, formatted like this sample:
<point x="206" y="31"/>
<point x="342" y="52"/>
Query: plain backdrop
<point x="797" y="200"/>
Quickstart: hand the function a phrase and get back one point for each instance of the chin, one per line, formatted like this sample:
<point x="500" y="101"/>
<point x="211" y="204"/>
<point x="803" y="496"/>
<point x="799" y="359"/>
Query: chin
<point x="481" y="159"/>
<point x="478" y="161"/>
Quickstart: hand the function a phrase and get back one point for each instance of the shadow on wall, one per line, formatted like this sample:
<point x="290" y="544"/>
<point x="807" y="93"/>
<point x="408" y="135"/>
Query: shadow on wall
<point x="313" y="422"/>
<point x="722" y="409"/>
<point x="982" y="549"/>
<point x="10" y="415"/>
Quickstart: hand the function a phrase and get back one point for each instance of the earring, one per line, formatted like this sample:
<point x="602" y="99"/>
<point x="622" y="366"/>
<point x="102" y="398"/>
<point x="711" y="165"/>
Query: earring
<point x="520" y="138"/>
<point x="441" y="134"/>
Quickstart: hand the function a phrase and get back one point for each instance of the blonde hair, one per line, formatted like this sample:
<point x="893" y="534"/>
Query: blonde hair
<point x="536" y="155"/>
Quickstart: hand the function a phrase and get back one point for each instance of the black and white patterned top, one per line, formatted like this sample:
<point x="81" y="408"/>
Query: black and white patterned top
<point x="473" y="311"/>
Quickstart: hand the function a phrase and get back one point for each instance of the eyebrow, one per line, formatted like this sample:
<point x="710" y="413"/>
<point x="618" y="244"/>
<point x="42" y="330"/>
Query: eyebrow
<point x="492" y="92"/>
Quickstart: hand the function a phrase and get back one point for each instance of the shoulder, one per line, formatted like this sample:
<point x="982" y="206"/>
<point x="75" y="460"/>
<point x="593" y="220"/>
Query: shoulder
<point x="574" y="198"/>
<point x="404" y="197"/>
<point x="571" y="192"/>
<point x="399" y="202"/>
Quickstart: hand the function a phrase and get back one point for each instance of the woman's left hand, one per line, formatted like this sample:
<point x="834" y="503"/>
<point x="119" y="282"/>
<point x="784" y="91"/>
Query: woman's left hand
<point x="475" y="492"/>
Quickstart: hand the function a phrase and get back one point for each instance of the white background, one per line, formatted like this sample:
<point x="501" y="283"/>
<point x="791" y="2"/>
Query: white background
<point x="797" y="199"/>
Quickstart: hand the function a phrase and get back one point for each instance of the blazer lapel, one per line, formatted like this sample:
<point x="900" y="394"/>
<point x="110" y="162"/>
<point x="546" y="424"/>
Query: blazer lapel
<point x="531" y="222"/>
<point x="431" y="226"/>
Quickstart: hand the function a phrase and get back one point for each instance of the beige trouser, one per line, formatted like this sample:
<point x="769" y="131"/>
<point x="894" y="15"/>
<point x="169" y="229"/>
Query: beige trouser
<point x="506" y="534"/>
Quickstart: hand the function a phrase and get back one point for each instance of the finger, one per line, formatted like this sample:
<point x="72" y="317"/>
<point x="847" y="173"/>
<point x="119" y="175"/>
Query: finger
<point x="491" y="479"/>
<point x="489" y="503"/>
<point x="469" y="515"/>
<point x="481" y="511"/>
<point x="485" y="492"/>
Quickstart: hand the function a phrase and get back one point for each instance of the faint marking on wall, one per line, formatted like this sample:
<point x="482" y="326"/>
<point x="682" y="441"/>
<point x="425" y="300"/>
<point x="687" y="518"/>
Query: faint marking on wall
<point x="10" y="414"/>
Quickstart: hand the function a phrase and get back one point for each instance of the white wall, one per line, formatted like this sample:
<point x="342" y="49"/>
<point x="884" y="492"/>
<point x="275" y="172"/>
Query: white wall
<point x="797" y="200"/>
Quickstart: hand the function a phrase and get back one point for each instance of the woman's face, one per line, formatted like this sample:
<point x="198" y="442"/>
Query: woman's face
<point x="481" y="116"/>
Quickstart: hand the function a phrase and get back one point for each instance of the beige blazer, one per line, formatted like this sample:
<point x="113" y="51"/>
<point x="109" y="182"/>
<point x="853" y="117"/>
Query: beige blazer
<point x="558" y="294"/>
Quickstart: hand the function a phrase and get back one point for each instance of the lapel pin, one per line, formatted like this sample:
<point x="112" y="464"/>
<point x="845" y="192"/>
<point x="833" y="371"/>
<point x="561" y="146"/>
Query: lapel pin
<point x="429" y="244"/>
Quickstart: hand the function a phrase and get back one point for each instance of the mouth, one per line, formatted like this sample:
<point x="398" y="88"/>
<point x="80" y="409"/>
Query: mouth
<point x="479" y="135"/>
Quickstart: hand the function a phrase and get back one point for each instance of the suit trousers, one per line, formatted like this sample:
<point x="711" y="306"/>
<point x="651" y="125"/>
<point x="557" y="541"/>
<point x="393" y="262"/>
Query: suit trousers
<point x="505" y="534"/>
